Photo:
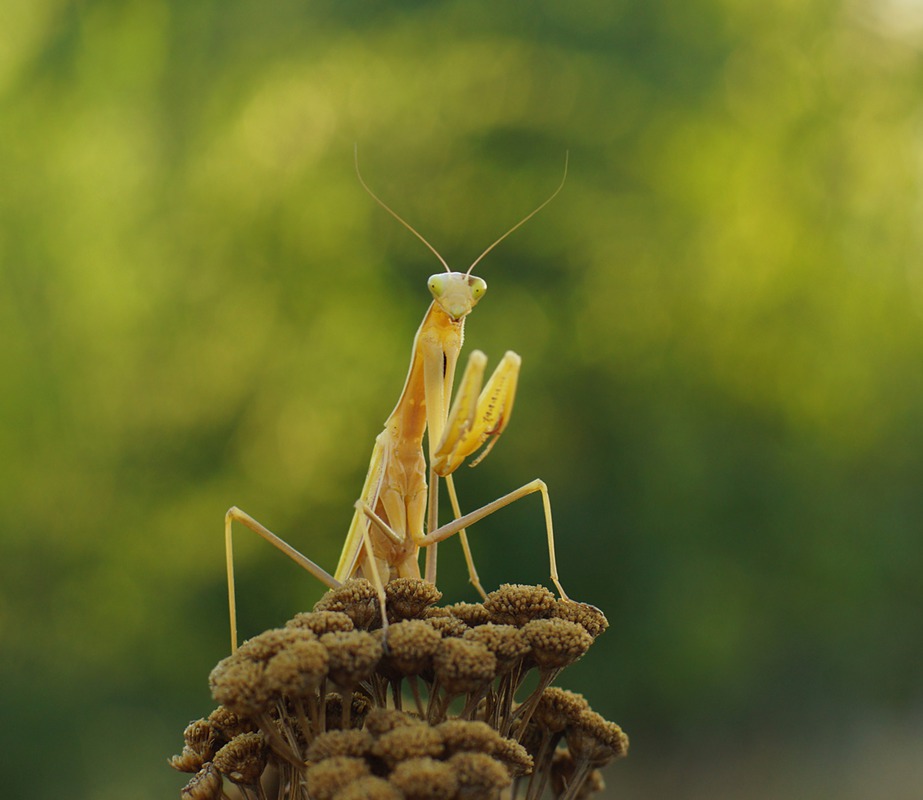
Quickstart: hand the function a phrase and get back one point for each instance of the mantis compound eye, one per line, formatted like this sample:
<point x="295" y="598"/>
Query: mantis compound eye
<point x="437" y="285"/>
<point x="478" y="287"/>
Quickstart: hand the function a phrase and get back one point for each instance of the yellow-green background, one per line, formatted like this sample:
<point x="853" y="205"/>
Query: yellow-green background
<point x="720" y="319"/>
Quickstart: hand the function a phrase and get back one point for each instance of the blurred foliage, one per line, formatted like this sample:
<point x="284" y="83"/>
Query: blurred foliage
<point x="720" y="322"/>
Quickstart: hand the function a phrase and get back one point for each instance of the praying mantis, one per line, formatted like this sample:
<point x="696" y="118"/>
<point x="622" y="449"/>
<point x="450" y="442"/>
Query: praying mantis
<point x="387" y="528"/>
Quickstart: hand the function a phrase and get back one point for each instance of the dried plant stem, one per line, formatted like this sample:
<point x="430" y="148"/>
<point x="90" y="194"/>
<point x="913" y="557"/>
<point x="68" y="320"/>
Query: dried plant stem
<point x="576" y="781"/>
<point x="322" y="706"/>
<point x="539" y="777"/>
<point x="276" y="743"/>
<point x="415" y="691"/>
<point x="524" y="713"/>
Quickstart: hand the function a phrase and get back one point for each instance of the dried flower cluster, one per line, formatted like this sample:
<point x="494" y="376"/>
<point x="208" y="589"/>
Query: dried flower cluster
<point x="444" y="705"/>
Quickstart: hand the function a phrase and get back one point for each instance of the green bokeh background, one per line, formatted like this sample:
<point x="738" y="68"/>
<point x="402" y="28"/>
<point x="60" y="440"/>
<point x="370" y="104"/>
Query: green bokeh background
<point x="720" y="319"/>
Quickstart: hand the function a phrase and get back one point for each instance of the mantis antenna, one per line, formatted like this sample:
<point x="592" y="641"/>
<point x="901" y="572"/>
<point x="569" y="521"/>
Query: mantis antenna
<point x="526" y="218"/>
<point x="432" y="249"/>
<point x="394" y="214"/>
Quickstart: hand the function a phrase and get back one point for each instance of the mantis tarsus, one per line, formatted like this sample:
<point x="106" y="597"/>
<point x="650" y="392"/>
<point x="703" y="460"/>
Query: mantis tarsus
<point x="387" y="528"/>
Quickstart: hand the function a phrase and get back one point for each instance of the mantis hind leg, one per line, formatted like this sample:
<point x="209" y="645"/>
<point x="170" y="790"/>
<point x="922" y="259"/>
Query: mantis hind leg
<point x="233" y="515"/>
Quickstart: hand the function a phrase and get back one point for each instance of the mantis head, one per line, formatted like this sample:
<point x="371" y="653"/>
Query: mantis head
<point x="457" y="292"/>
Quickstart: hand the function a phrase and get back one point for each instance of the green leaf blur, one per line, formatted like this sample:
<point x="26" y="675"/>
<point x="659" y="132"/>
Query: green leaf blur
<point x="719" y="318"/>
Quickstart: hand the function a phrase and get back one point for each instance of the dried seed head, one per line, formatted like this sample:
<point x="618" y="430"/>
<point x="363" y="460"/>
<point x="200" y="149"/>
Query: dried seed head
<point x="408" y="598"/>
<point x="353" y="742"/>
<point x="227" y="724"/>
<point x="597" y="741"/>
<point x="470" y="613"/>
<point x="220" y="668"/>
<point x="200" y="743"/>
<point x="411" y="647"/>
<point x="240" y="685"/>
<point x="204" y="785"/>
<point x="555" y="642"/>
<point x="506" y="642"/>
<point x="187" y="761"/>
<point x="516" y="604"/>
<point x="243" y="759"/>
<point x="329" y="776"/>
<point x="360" y="705"/>
<point x="298" y="670"/>
<point x="267" y="644"/>
<point x="558" y="708"/>
<point x="590" y="617"/>
<point x="382" y="720"/>
<point x="446" y="625"/>
<point x="321" y="622"/>
<point x="459" y="735"/>
<point x="514" y="757"/>
<point x="474" y="736"/>
<point x="357" y="599"/>
<point x="200" y="736"/>
<point x="369" y="788"/>
<point x="409" y="741"/>
<point x="479" y="775"/>
<point x="425" y="779"/>
<point x="463" y="666"/>
<point x="353" y="656"/>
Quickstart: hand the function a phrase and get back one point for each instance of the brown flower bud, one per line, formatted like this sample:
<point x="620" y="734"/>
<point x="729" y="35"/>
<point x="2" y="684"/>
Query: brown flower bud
<point x="204" y="785"/>
<point x="243" y="759"/>
<point x="516" y="604"/>
<point x="555" y="642"/>
<point x="425" y="779"/>
<point x="357" y="599"/>
<point x="327" y="777"/>
<point x="463" y="666"/>
<point x="408" y="598"/>
<point x="591" y="618"/>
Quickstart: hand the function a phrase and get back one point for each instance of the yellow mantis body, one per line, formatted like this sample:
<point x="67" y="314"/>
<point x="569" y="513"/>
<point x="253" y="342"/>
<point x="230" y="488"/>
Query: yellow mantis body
<point x="390" y="523"/>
